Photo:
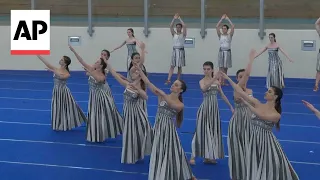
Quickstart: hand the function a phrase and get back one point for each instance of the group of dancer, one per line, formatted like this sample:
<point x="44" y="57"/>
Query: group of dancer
<point x="254" y="151"/>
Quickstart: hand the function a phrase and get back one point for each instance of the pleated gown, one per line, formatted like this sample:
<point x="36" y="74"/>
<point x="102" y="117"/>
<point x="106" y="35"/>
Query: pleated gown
<point x="265" y="157"/>
<point x="207" y="139"/>
<point x="102" y="123"/>
<point x="137" y="131"/>
<point x="275" y="76"/>
<point x="238" y="138"/>
<point x="65" y="112"/>
<point x="168" y="160"/>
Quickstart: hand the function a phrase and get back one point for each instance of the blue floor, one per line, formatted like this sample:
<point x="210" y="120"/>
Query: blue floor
<point x="31" y="150"/>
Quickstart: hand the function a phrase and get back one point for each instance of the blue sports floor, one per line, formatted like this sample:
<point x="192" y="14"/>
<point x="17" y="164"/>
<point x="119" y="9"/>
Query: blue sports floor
<point x="31" y="150"/>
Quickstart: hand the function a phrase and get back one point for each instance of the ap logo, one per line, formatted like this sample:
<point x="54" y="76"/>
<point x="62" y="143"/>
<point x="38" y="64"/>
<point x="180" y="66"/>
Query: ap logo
<point x="30" y="32"/>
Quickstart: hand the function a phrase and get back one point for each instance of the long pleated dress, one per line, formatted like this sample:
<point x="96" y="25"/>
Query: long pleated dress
<point x="265" y="157"/>
<point x="238" y="139"/>
<point x="65" y="112"/>
<point x="102" y="123"/>
<point x="116" y="114"/>
<point x="137" y="131"/>
<point x="275" y="76"/>
<point x="168" y="160"/>
<point x="207" y="139"/>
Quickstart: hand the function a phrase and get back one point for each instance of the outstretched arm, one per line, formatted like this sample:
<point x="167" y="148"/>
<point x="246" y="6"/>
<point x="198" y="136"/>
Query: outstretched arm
<point x="287" y="56"/>
<point x="45" y="62"/>
<point x="172" y="24"/>
<point x="84" y="64"/>
<point x="123" y="43"/>
<point x="262" y="51"/>
<point x="239" y="90"/>
<point x="312" y="108"/>
<point x="116" y="75"/>
<point x="161" y="94"/>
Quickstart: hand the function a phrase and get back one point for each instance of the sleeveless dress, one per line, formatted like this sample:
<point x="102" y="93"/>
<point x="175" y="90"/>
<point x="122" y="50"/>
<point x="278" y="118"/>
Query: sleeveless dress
<point x="207" y="139"/>
<point x="168" y="160"/>
<point x="102" y="123"/>
<point x="137" y="131"/>
<point x="224" y="55"/>
<point x="65" y="112"/>
<point x="238" y="138"/>
<point x="131" y="49"/>
<point x="178" y="57"/>
<point x="275" y="72"/>
<point x="265" y="157"/>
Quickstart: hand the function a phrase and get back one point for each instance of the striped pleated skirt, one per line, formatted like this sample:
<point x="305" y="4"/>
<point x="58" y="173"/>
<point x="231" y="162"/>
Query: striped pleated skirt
<point x="224" y="58"/>
<point x="65" y="112"/>
<point x="238" y="138"/>
<point x="178" y="58"/>
<point x="137" y="131"/>
<point x="207" y="140"/>
<point x="265" y="157"/>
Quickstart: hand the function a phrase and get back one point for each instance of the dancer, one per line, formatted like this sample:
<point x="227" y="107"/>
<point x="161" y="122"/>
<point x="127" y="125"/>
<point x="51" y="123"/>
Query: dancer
<point x="225" y="38"/>
<point x="275" y="72"/>
<point x="168" y="160"/>
<point x="137" y="131"/>
<point x="131" y="43"/>
<point x="178" y="58"/>
<point x="238" y="131"/>
<point x="316" y="86"/>
<point x="207" y="140"/>
<point x="312" y="108"/>
<point x="65" y="112"/>
<point x="265" y="158"/>
<point x="138" y="59"/>
<point x="102" y="123"/>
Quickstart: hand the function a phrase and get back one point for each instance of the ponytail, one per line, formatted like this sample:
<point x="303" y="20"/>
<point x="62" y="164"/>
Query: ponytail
<point x="67" y="68"/>
<point x="275" y="40"/>
<point x="279" y="110"/>
<point x="179" y="117"/>
<point x="212" y="74"/>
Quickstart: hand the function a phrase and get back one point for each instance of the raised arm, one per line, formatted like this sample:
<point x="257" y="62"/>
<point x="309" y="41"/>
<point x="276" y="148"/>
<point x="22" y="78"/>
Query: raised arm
<point x="45" y="62"/>
<point x="184" y="27"/>
<point x="176" y="16"/>
<point x="142" y="52"/>
<point x="219" y="24"/>
<point x="317" y="24"/>
<point x="247" y="72"/>
<point x="121" y="45"/>
<point x="232" y="26"/>
<point x="84" y="64"/>
<point x="239" y="90"/>
<point x="267" y="116"/>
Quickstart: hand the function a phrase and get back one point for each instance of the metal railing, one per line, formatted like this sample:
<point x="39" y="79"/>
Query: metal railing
<point x="146" y="30"/>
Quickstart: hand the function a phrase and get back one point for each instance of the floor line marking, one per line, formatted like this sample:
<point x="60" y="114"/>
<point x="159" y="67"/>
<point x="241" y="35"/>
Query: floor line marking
<point x="181" y="133"/>
<point x="153" y="105"/>
<point x="86" y="101"/>
<point x="86" y="84"/>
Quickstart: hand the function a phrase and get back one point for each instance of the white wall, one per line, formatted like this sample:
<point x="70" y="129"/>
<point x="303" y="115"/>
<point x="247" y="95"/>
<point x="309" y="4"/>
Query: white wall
<point x="159" y="46"/>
